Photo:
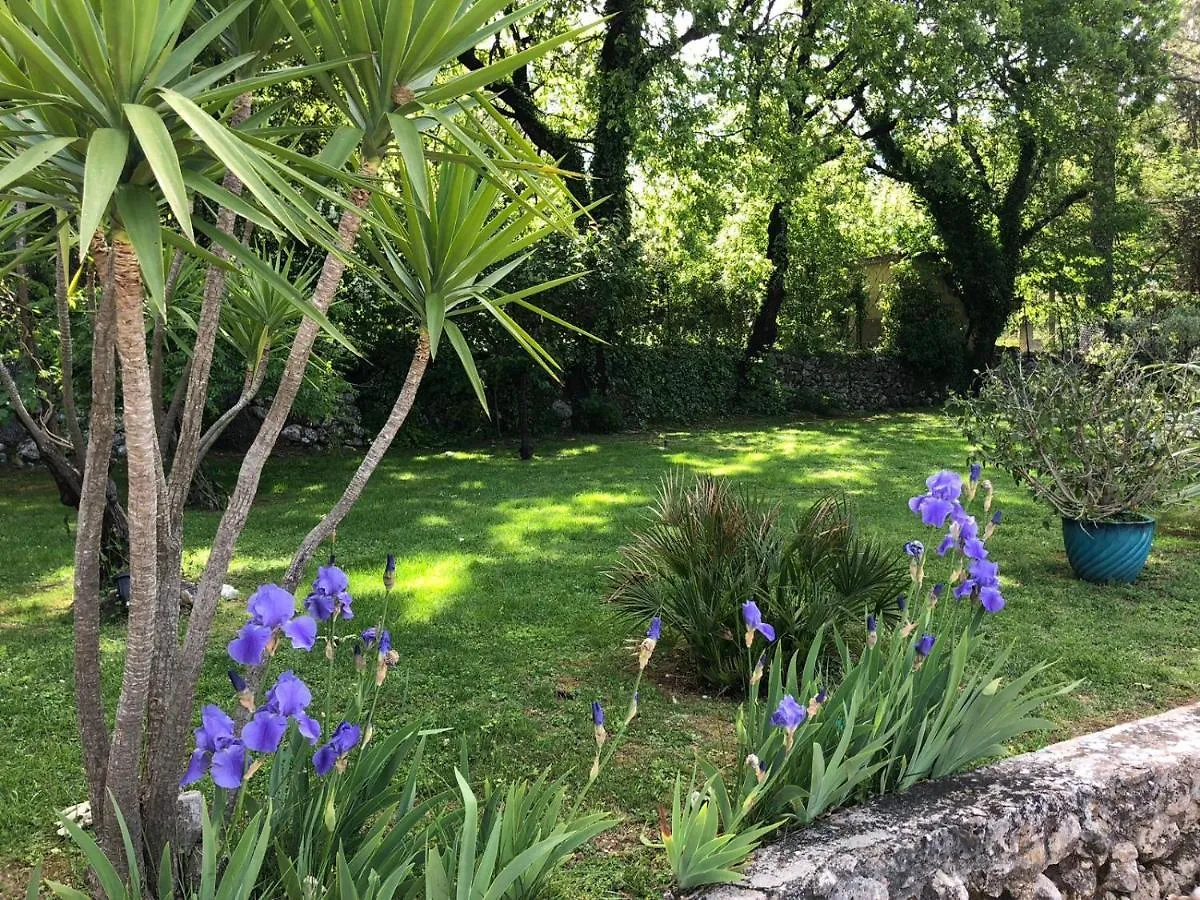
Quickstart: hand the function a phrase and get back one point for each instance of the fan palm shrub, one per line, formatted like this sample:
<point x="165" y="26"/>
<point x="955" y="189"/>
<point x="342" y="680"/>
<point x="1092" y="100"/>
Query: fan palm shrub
<point x="709" y="548"/>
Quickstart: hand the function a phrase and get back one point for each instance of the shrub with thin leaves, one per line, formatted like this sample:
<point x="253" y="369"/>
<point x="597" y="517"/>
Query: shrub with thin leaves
<point x="709" y="547"/>
<point x="1096" y="439"/>
<point x="702" y="842"/>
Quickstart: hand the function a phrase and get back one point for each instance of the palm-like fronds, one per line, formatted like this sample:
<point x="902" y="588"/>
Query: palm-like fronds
<point x="257" y="314"/>
<point x="709" y="548"/>
<point x="446" y="248"/>
<point x="388" y="54"/>
<point x="112" y="113"/>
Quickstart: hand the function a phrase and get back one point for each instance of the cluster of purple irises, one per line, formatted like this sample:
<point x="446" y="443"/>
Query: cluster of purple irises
<point x="223" y="751"/>
<point x="942" y="504"/>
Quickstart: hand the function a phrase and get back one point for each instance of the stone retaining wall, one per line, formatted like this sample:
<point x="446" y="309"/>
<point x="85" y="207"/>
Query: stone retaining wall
<point x="1107" y="815"/>
<point x="853" y="382"/>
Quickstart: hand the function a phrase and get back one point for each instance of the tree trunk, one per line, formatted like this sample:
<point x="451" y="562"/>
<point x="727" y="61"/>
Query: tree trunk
<point x="617" y="85"/>
<point x="765" y="330"/>
<point x="145" y="477"/>
<point x="379" y="446"/>
<point x="89" y="561"/>
<point x="187" y="406"/>
<point x="170" y="752"/>
<point x="66" y="356"/>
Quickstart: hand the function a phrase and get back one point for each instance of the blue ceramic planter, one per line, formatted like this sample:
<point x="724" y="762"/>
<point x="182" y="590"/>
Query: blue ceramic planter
<point x="1108" y="552"/>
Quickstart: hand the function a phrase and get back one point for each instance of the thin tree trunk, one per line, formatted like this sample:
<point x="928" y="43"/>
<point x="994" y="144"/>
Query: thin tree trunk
<point x="190" y="414"/>
<point x="207" y="328"/>
<point x="145" y="474"/>
<point x="89" y="562"/>
<point x="250" y="388"/>
<point x="765" y="330"/>
<point x="66" y="356"/>
<point x="66" y="476"/>
<point x="170" y="752"/>
<point x="375" y="453"/>
<point x="523" y="414"/>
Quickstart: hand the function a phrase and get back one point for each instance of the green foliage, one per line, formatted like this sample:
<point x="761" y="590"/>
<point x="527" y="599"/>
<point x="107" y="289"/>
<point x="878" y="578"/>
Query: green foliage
<point x="1171" y="336"/>
<point x="919" y="325"/>
<point x="678" y="383"/>
<point x="1100" y="438"/>
<point x="227" y="871"/>
<point x="702" y="847"/>
<point x="598" y="415"/>
<point x="709" y="548"/>
<point x="508" y="850"/>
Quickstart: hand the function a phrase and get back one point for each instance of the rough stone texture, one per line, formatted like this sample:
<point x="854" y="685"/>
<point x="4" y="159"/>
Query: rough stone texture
<point x="1109" y="815"/>
<point x="853" y="382"/>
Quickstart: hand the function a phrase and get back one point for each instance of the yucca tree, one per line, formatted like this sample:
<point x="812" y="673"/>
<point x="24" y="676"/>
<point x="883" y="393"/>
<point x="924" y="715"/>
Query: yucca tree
<point x="132" y="121"/>
<point x="378" y="62"/>
<point x="112" y="124"/>
<point x="443" y="252"/>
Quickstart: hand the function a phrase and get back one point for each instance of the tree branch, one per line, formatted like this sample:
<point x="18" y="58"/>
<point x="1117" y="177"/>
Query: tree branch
<point x="1061" y="208"/>
<point x="250" y="387"/>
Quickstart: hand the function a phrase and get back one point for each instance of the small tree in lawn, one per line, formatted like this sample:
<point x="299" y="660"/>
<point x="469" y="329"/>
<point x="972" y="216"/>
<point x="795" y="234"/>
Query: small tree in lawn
<point x="131" y="126"/>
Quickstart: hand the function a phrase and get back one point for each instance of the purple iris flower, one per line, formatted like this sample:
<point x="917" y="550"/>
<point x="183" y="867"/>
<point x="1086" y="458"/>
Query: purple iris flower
<point x="238" y="682"/>
<point x="264" y="731"/>
<point x="976" y="471"/>
<point x="654" y="632"/>
<point x="320" y="606"/>
<point x="925" y="644"/>
<point x="990" y="598"/>
<point x="945" y="485"/>
<point x="369" y="635"/>
<point x="996" y="517"/>
<point x="789" y="715"/>
<point x="941" y="499"/>
<point x="933" y="510"/>
<point x="901" y="603"/>
<point x="753" y="619"/>
<point x="915" y="549"/>
<point x="938" y="590"/>
<point x="217" y="750"/>
<point x="871" y="624"/>
<point x="288" y="699"/>
<point x="330" y="594"/>
<point x="984" y="571"/>
<point x="597" y="713"/>
<point x="821" y="695"/>
<point x="389" y="572"/>
<point x="974" y="549"/>
<point x="345" y="738"/>
<point x="385" y="642"/>
<point x="272" y="609"/>
<point x="946" y="545"/>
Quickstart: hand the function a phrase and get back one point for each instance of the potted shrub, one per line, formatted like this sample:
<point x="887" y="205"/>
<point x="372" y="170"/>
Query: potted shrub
<point x="1104" y="440"/>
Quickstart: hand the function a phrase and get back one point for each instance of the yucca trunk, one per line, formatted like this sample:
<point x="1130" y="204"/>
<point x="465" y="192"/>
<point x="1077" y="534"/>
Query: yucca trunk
<point x="374" y="455"/>
<point x="89" y="549"/>
<point x="171" y="748"/>
<point x="145" y="477"/>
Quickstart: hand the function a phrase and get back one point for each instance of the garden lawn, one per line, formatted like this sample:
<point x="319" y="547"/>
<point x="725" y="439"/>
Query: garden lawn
<point x="502" y="629"/>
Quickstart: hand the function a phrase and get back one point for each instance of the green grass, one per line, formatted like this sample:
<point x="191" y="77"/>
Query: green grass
<point x="503" y="632"/>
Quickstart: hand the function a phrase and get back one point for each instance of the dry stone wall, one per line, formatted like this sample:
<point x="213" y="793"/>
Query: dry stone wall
<point x="1109" y="815"/>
